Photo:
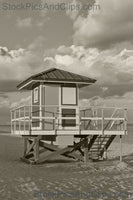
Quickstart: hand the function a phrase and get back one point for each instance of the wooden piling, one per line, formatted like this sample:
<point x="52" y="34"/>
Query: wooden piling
<point x="86" y="156"/>
<point x="120" y="148"/>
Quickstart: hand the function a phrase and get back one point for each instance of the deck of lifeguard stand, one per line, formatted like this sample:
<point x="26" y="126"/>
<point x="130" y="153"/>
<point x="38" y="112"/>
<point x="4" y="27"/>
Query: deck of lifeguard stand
<point x="98" y="127"/>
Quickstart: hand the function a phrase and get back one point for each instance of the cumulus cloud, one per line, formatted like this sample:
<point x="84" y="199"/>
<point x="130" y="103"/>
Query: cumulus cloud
<point x="63" y="50"/>
<point x="125" y="101"/>
<point x="21" y="102"/>
<point x="80" y="8"/>
<point x="68" y="60"/>
<point x="112" y="24"/>
<point x="24" y="23"/>
<point x="4" y="101"/>
<point x="16" y="65"/>
<point x="112" y="68"/>
<point x="12" y="54"/>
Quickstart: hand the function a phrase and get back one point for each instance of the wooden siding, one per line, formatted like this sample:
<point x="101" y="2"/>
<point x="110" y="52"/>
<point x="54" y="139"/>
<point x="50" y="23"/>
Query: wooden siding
<point x="50" y="97"/>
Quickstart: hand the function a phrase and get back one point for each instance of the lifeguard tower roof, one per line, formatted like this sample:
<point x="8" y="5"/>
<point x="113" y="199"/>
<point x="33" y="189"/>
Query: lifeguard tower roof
<point x="56" y="76"/>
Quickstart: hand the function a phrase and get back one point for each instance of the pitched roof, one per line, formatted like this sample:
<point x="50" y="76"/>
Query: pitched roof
<point x="55" y="75"/>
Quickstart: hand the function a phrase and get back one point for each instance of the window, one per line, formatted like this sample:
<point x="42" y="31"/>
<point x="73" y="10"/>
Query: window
<point x="69" y="96"/>
<point x="68" y="113"/>
<point x="36" y="95"/>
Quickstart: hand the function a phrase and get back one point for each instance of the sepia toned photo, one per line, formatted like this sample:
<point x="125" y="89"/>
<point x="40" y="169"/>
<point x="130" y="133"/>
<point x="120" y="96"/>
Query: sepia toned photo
<point x="66" y="100"/>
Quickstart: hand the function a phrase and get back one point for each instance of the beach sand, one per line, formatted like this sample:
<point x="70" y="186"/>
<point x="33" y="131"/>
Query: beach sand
<point x="114" y="149"/>
<point x="109" y="179"/>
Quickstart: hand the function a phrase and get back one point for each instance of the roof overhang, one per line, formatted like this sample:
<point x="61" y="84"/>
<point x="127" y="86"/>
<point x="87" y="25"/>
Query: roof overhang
<point x="55" y="76"/>
<point x="29" y="84"/>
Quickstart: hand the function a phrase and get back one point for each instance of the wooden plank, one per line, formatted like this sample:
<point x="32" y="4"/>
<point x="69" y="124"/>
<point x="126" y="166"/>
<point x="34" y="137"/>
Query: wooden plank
<point x="48" y="146"/>
<point x="28" y="161"/>
<point x="36" y="150"/>
<point x="107" y="144"/>
<point x="91" y="142"/>
<point x="25" y="146"/>
<point x="30" y="155"/>
<point x="30" y="146"/>
<point x="86" y="156"/>
<point x="54" y="154"/>
<point x="55" y="148"/>
<point x="120" y="148"/>
<point x="74" y="156"/>
<point x="70" y="132"/>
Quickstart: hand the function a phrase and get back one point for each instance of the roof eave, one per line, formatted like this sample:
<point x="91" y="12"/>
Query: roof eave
<point x="29" y="84"/>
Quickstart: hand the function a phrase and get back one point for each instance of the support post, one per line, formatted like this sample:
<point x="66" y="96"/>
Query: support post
<point x="24" y="119"/>
<point x="36" y="149"/>
<point x="84" y="116"/>
<point x="11" y="122"/>
<point x="86" y="151"/>
<point x="105" y="154"/>
<point x="102" y="122"/>
<point x="19" y="113"/>
<point x="120" y="148"/>
<point x="125" y="121"/>
<point x="79" y="120"/>
<point x="14" y="121"/>
<point x="25" y="145"/>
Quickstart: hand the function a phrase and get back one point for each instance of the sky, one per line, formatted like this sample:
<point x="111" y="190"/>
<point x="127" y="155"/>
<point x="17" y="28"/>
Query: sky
<point x="95" y="40"/>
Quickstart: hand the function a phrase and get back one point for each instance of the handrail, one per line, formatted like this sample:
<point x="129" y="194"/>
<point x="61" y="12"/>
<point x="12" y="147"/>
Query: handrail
<point x="57" y="106"/>
<point x="23" y="116"/>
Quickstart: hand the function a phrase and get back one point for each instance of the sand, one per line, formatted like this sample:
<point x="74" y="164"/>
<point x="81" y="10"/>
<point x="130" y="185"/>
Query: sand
<point x="114" y="149"/>
<point x="109" y="179"/>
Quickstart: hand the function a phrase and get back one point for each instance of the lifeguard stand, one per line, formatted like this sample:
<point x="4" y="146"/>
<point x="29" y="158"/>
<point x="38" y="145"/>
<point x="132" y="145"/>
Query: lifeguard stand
<point x="54" y="120"/>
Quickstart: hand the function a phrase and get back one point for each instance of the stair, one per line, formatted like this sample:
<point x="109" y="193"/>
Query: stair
<point x="99" y="145"/>
<point x="102" y="142"/>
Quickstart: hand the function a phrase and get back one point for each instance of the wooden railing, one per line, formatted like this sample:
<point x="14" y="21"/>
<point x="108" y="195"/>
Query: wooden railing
<point x="25" y="118"/>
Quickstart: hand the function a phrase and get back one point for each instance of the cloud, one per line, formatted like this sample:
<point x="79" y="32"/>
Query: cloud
<point x="4" y="101"/>
<point x="21" y="102"/>
<point x="125" y="101"/>
<point x="68" y="60"/>
<point x="63" y="50"/>
<point x="112" y="24"/>
<point x="12" y="54"/>
<point x="80" y="8"/>
<point x="24" y="23"/>
<point x="9" y="100"/>
<point x="112" y="68"/>
<point x="16" y="65"/>
<point x="37" y="44"/>
<point x="73" y="13"/>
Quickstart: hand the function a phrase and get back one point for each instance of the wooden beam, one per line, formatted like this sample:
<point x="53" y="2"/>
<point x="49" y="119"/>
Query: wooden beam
<point x="30" y="155"/>
<point x="30" y="146"/>
<point x="54" y="154"/>
<point x="74" y="156"/>
<point x="27" y="160"/>
<point x="36" y="149"/>
<point x="120" y="148"/>
<point x="25" y="145"/>
<point x="86" y="156"/>
<point x="71" y="154"/>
